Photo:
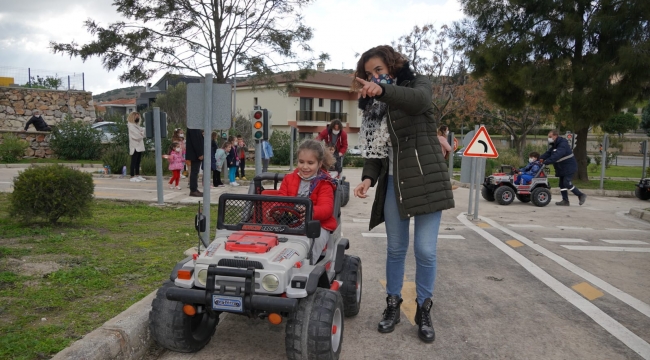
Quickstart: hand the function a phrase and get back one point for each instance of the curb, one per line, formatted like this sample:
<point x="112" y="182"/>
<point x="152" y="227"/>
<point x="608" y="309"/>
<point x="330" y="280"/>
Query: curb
<point x="589" y="192"/>
<point x="641" y="214"/>
<point x="124" y="337"/>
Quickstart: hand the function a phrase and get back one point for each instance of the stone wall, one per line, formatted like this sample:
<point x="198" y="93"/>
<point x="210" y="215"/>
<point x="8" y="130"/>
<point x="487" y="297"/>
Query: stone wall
<point x="17" y="104"/>
<point x="39" y="144"/>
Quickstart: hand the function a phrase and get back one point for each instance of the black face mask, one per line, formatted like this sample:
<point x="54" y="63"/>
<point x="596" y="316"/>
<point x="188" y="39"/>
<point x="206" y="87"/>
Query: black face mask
<point x="137" y="120"/>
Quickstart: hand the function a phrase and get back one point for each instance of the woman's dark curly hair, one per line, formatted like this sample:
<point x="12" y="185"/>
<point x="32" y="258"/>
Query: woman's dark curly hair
<point x="393" y="60"/>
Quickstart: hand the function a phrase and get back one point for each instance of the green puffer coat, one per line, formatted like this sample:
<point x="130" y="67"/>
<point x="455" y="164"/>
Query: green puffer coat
<point x="420" y="174"/>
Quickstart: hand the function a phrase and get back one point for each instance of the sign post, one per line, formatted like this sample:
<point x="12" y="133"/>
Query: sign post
<point x="603" y="163"/>
<point x="454" y="144"/>
<point x="481" y="146"/>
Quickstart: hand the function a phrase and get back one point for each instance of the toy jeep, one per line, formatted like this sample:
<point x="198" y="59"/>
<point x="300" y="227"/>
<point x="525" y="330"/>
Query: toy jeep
<point x="642" y="190"/>
<point x="502" y="188"/>
<point x="261" y="265"/>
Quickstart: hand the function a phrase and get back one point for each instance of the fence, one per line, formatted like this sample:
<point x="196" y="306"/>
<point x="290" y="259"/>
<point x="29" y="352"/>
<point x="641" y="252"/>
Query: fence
<point x="43" y="79"/>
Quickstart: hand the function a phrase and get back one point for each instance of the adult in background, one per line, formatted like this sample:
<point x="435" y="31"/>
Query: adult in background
<point x="404" y="160"/>
<point x="334" y="135"/>
<point x="194" y="153"/>
<point x="267" y="154"/>
<point x="39" y="123"/>
<point x="443" y="131"/>
<point x="565" y="164"/>
<point x="241" y="156"/>
<point x="136" y="145"/>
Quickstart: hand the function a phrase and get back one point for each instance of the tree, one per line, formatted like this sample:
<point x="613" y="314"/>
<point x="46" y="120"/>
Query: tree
<point x="516" y="123"/>
<point x="581" y="59"/>
<point x="199" y="36"/>
<point x="645" y="119"/>
<point x="47" y="82"/>
<point x="174" y="103"/>
<point x="620" y="123"/>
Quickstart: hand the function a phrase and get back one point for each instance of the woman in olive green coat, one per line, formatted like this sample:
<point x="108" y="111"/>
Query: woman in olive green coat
<point x="404" y="160"/>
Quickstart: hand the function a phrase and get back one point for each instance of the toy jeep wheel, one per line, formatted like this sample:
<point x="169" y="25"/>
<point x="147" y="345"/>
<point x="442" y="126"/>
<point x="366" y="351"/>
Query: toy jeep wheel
<point x="487" y="194"/>
<point x="523" y="198"/>
<point x="642" y="194"/>
<point x="174" y="330"/>
<point x="315" y="330"/>
<point x="541" y="197"/>
<point x="351" y="276"/>
<point x="504" y="195"/>
<point x="345" y="194"/>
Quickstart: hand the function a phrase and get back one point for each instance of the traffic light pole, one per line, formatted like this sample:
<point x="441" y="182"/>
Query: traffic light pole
<point x="158" y="151"/>
<point x="258" y="157"/>
<point x="644" y="150"/>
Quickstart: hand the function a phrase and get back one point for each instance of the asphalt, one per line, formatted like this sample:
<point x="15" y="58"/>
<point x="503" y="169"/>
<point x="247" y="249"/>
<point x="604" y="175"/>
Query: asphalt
<point x="520" y="282"/>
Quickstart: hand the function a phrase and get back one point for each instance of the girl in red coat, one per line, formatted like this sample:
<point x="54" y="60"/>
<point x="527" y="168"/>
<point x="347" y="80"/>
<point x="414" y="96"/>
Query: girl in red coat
<point x="311" y="179"/>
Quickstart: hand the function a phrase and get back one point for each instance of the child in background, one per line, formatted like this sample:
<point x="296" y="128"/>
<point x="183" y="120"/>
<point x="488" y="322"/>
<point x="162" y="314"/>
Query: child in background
<point x="233" y="163"/>
<point x="176" y="163"/>
<point x="336" y="168"/>
<point x="221" y="156"/>
<point x="241" y="155"/>
<point x="311" y="179"/>
<point x="528" y="172"/>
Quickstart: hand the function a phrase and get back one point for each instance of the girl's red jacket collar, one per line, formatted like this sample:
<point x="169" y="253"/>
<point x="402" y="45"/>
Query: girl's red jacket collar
<point x="322" y="198"/>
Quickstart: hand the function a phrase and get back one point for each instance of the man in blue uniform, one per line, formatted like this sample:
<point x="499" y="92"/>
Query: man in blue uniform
<point x="565" y="164"/>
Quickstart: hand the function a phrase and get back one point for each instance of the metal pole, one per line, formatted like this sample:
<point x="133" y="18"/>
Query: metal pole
<point x="157" y="143"/>
<point x="603" y="160"/>
<point x="68" y="82"/>
<point x="234" y="95"/>
<point x="258" y="157"/>
<point x="644" y="148"/>
<point x="207" y="157"/>
<point x="291" y="134"/>
<point x="480" y="171"/>
<point x="472" y="175"/>
<point x="451" y="156"/>
<point x="29" y="76"/>
<point x="83" y="81"/>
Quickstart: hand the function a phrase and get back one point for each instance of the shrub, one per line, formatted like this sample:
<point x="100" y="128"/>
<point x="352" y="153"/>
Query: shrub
<point x="353" y="161"/>
<point x="281" y="143"/>
<point x="592" y="168"/>
<point x="148" y="165"/>
<point x="12" y="148"/>
<point x="490" y="166"/>
<point x="632" y="110"/>
<point x="51" y="192"/>
<point x="510" y="157"/>
<point x="116" y="157"/>
<point x="76" y="140"/>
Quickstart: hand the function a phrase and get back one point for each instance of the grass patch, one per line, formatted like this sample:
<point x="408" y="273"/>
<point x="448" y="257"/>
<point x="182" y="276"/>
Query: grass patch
<point x="79" y="275"/>
<point x="620" y="185"/>
<point x="620" y="171"/>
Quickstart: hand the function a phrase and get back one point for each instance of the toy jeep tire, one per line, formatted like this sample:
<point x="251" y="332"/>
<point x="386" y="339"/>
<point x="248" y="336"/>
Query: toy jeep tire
<point x="345" y="194"/>
<point x="504" y="195"/>
<point x="487" y="194"/>
<point x="351" y="275"/>
<point x="315" y="330"/>
<point x="642" y="194"/>
<point x="174" y="330"/>
<point x="523" y="198"/>
<point x="541" y="197"/>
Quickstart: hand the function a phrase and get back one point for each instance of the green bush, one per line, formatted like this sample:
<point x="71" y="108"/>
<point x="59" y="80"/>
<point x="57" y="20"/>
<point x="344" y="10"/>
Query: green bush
<point x="490" y="166"/>
<point x="281" y="143"/>
<point x="353" y="161"/>
<point x="116" y="157"/>
<point x="51" y="192"/>
<point x="12" y="148"/>
<point x="148" y="165"/>
<point x="76" y="140"/>
<point x="632" y="110"/>
<point x="510" y="157"/>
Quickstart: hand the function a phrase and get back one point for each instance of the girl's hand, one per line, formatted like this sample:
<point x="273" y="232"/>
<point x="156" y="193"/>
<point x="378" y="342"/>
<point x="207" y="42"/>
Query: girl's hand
<point x="165" y="156"/>
<point x="369" y="88"/>
<point x="362" y="189"/>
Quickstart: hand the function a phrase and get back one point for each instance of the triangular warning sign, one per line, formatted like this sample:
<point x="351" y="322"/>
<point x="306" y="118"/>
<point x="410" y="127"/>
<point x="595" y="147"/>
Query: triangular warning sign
<point x="481" y="145"/>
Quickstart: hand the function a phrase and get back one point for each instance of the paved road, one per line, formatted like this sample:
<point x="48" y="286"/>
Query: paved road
<point x="630" y="161"/>
<point x="521" y="283"/>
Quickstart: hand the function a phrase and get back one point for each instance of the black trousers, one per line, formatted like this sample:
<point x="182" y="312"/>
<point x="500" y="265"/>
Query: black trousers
<point x="194" y="175"/>
<point x="566" y="185"/>
<point x="216" y="178"/>
<point x="241" y="170"/>
<point x="135" y="163"/>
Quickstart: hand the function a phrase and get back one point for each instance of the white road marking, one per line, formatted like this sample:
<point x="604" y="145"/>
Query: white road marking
<point x="626" y="242"/>
<point x="573" y="227"/>
<point x="567" y="240"/>
<point x="637" y="230"/>
<point x="374" y="235"/>
<point x="360" y="220"/>
<point x="443" y="236"/>
<point x="606" y="248"/>
<point x="110" y="188"/>
<point x="525" y="225"/>
<point x="637" y="304"/>
<point x="612" y="326"/>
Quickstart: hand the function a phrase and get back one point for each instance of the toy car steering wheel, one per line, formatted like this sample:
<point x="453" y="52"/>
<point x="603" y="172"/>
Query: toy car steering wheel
<point x="286" y="215"/>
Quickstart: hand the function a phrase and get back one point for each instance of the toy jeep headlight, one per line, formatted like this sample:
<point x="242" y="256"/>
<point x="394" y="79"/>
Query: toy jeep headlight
<point x="202" y="277"/>
<point x="270" y="282"/>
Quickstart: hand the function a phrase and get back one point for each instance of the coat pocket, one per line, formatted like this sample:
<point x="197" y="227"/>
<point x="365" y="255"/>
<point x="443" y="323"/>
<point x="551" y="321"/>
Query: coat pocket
<point x="417" y="157"/>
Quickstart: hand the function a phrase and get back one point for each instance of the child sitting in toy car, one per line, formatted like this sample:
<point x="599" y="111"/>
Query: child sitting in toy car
<point x="311" y="179"/>
<point x="527" y="173"/>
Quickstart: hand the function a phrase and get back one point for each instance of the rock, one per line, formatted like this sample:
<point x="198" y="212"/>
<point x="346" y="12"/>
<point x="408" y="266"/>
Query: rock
<point x="39" y="153"/>
<point x="29" y="152"/>
<point x="49" y="152"/>
<point x="10" y="110"/>
<point x="40" y="138"/>
<point x="58" y="114"/>
<point x="20" y="111"/>
<point x="2" y="108"/>
<point x="80" y="109"/>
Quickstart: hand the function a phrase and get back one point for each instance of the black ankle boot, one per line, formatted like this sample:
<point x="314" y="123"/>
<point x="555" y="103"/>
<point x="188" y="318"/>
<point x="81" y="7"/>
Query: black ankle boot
<point x="562" y="203"/>
<point x="423" y="320"/>
<point x="391" y="314"/>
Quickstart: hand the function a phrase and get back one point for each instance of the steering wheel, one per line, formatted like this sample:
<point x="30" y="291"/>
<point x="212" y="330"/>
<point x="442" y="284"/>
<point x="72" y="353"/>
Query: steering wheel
<point x="286" y="215"/>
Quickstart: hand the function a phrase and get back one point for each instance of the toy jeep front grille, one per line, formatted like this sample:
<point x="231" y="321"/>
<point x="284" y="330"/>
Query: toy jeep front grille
<point x="244" y="264"/>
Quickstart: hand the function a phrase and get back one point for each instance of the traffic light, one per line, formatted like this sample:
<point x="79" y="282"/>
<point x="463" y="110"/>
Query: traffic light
<point x="258" y="124"/>
<point x="266" y="124"/>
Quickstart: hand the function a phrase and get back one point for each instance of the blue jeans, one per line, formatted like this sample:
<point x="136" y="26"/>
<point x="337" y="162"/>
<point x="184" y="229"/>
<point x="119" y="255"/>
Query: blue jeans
<point x="424" y="244"/>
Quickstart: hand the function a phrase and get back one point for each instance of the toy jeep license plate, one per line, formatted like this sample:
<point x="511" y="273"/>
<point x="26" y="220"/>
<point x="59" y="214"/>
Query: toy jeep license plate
<point x="227" y="303"/>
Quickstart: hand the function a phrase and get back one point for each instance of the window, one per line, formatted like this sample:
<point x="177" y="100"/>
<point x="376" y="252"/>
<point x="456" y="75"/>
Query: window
<point x="254" y="101"/>
<point x="336" y="106"/>
<point x="304" y="136"/>
<point x="320" y="102"/>
<point x="306" y="108"/>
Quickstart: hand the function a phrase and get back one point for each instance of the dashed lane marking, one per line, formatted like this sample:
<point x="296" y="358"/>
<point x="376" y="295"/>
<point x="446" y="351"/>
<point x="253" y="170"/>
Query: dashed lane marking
<point x="457" y="237"/>
<point x="588" y="291"/>
<point x="573" y="227"/>
<point x="409" y="297"/>
<point x="636" y="230"/>
<point x="612" y="326"/>
<point x="525" y="225"/>
<point x="606" y="248"/>
<point x="565" y="240"/>
<point x="625" y="242"/>
<point x="514" y="243"/>
<point x="630" y="300"/>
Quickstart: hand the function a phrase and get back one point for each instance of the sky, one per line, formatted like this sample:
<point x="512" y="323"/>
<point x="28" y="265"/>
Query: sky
<point x="342" y="28"/>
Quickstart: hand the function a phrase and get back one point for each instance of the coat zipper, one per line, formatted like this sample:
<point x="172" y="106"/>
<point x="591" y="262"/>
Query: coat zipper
<point x="417" y="157"/>
<point x="399" y="190"/>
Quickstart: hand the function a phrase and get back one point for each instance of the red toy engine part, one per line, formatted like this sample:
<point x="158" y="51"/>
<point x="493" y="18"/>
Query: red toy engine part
<point x="251" y="242"/>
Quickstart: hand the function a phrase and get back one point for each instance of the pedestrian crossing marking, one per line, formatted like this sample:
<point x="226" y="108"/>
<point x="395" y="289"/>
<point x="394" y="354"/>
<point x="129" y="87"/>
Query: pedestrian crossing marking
<point x="457" y="237"/>
<point x="525" y="225"/>
<point x="483" y="225"/>
<point x="588" y="291"/>
<point x="565" y="240"/>
<point x="625" y="242"/>
<point x="573" y="227"/>
<point x="514" y="243"/>
<point x="606" y="248"/>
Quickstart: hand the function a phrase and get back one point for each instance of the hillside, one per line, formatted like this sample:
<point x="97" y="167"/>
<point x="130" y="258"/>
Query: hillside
<point x="123" y="93"/>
